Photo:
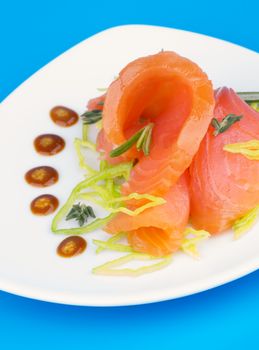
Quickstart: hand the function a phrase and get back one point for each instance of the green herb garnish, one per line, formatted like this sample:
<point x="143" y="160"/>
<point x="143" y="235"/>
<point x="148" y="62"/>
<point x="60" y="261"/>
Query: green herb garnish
<point x="92" y="117"/>
<point x="146" y="141"/>
<point x="101" y="103"/>
<point x="81" y="213"/>
<point x="225" y="124"/>
<point x="142" y="139"/>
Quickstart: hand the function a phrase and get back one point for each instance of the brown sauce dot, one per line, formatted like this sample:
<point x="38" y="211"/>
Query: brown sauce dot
<point x="42" y="176"/>
<point x="71" y="246"/>
<point x="63" y="116"/>
<point x="44" y="205"/>
<point x="49" y="144"/>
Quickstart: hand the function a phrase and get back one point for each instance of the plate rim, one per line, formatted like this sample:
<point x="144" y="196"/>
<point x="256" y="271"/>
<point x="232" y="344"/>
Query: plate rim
<point x="141" y="297"/>
<point x="119" y="27"/>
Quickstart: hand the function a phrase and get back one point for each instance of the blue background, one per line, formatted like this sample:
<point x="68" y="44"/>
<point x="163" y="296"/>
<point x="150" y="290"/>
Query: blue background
<point x="33" y="33"/>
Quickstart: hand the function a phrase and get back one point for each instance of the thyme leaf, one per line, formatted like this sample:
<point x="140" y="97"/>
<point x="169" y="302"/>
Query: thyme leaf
<point x="141" y="138"/>
<point x="225" y="123"/>
<point x="92" y="117"/>
<point x="80" y="213"/>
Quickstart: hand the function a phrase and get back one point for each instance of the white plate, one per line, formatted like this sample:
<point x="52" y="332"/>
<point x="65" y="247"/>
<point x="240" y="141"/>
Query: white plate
<point x="29" y="265"/>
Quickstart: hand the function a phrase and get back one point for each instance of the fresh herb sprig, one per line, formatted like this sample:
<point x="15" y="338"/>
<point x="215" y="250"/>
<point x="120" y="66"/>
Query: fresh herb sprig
<point x="225" y="124"/>
<point x="81" y="213"/>
<point x="142" y="139"/>
<point x="91" y="117"/>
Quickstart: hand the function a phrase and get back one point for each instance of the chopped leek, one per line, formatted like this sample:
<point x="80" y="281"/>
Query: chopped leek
<point x="85" y="128"/>
<point x="103" y="165"/>
<point x="249" y="149"/>
<point x="118" y="170"/>
<point x="109" y="268"/>
<point x="153" y="202"/>
<point x="118" y="247"/>
<point x="192" y="237"/>
<point x="77" y="144"/>
<point x="111" y="243"/>
<point x="245" y="222"/>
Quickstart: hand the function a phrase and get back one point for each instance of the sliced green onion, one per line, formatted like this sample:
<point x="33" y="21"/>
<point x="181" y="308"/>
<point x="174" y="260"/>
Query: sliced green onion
<point x="245" y="222"/>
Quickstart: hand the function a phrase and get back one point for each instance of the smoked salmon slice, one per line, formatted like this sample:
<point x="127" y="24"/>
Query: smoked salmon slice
<point x="173" y="93"/>
<point x="157" y="231"/>
<point x="96" y="103"/>
<point x="102" y="143"/>
<point x="225" y="186"/>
